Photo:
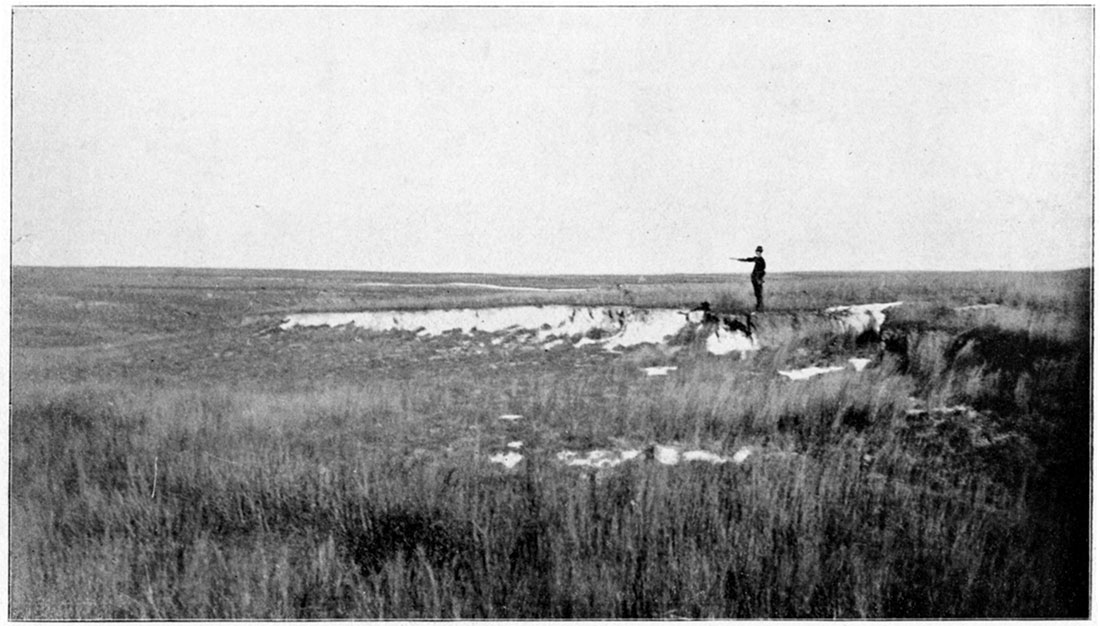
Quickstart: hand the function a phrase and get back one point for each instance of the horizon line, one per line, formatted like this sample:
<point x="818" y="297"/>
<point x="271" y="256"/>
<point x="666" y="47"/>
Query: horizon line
<point x="13" y="266"/>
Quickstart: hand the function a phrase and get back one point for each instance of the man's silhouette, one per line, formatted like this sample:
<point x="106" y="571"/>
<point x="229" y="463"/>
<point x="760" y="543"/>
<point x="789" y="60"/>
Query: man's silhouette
<point x="757" y="275"/>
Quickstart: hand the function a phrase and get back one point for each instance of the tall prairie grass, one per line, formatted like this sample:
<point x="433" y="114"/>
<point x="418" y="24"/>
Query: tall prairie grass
<point x="132" y="499"/>
<point x="377" y="501"/>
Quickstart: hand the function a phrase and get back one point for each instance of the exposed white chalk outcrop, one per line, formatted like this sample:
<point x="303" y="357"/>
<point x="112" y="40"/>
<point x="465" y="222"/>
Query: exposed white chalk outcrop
<point x="553" y="325"/>
<point x="611" y="327"/>
<point x="859" y="318"/>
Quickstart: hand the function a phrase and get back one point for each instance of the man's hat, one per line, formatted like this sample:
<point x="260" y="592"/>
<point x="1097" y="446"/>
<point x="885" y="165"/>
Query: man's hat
<point x="759" y="248"/>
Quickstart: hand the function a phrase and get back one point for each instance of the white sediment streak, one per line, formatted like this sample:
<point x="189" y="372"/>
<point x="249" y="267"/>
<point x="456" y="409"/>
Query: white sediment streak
<point x="703" y="455"/>
<point x="516" y="288"/>
<point x="663" y="454"/>
<point x="659" y="370"/>
<point x="463" y="285"/>
<point x="859" y="364"/>
<point x="599" y="459"/>
<point x="508" y="459"/>
<point x="959" y="409"/>
<point x="666" y="455"/>
<point x="808" y="372"/>
<point x="742" y="455"/>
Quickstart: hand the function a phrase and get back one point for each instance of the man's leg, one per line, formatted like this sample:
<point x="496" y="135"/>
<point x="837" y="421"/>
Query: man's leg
<point x="758" y="289"/>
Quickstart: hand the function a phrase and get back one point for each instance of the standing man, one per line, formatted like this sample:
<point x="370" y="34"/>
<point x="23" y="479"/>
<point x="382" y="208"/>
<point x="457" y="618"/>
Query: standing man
<point x="757" y="275"/>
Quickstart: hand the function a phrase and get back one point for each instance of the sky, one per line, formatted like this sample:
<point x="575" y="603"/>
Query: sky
<point x="553" y="140"/>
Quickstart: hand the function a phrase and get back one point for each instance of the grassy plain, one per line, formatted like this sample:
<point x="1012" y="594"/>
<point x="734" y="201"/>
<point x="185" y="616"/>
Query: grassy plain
<point x="173" y="455"/>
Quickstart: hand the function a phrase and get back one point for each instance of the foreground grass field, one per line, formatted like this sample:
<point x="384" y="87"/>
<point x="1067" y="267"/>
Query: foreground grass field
<point x="174" y="455"/>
